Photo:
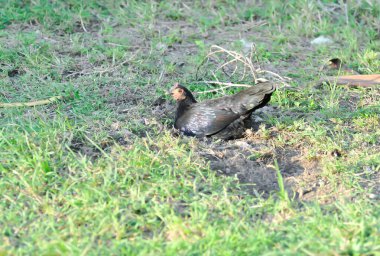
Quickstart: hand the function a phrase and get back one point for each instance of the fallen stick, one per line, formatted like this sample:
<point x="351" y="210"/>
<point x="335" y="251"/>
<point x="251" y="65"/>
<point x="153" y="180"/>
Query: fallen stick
<point x="354" y="80"/>
<point x="31" y="103"/>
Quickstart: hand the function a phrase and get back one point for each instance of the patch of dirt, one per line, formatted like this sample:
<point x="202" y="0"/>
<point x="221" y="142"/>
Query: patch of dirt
<point x="85" y="147"/>
<point x="129" y="96"/>
<point x="252" y="162"/>
<point x="163" y="109"/>
<point x="79" y="146"/>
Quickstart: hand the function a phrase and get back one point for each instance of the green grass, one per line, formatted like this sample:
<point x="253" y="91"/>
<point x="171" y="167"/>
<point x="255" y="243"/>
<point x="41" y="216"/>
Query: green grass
<point x="100" y="173"/>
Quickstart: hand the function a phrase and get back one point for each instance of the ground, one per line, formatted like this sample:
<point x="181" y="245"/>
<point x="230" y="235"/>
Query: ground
<point x="103" y="172"/>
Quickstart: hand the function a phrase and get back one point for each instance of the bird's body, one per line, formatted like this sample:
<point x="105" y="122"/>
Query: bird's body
<point x="219" y="117"/>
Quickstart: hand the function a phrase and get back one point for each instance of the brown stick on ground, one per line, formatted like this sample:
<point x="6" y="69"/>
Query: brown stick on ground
<point x="354" y="80"/>
<point x="31" y="103"/>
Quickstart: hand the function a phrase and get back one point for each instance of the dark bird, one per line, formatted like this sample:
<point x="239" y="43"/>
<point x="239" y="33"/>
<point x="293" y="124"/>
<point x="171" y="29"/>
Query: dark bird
<point x="222" y="117"/>
<point x="335" y="65"/>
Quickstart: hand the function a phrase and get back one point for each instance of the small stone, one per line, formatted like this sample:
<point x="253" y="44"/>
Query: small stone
<point x="321" y="40"/>
<point x="116" y="126"/>
<point x="246" y="45"/>
<point x="372" y="196"/>
<point x="161" y="47"/>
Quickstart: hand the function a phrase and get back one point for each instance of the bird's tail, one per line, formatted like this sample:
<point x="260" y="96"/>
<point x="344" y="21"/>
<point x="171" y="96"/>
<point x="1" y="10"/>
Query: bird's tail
<point x="253" y="98"/>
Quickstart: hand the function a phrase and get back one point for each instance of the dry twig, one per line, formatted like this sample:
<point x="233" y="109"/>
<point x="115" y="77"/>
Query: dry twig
<point x="226" y="85"/>
<point x="82" y="24"/>
<point x="232" y="63"/>
<point x="31" y="103"/>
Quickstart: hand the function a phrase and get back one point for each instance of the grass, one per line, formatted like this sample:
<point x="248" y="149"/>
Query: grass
<point x="100" y="173"/>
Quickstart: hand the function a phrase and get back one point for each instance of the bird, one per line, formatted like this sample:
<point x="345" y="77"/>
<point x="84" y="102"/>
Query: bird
<point x="336" y="65"/>
<point x="223" y="117"/>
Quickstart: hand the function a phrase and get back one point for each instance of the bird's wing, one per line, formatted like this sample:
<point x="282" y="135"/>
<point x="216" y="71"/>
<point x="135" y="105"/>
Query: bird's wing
<point x="205" y="121"/>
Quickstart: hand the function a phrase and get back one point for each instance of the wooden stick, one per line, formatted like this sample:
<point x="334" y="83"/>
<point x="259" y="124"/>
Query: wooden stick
<point x="354" y="80"/>
<point x="31" y="103"/>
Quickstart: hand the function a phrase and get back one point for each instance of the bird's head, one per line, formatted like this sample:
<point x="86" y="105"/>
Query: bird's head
<point x="335" y="63"/>
<point x="181" y="93"/>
